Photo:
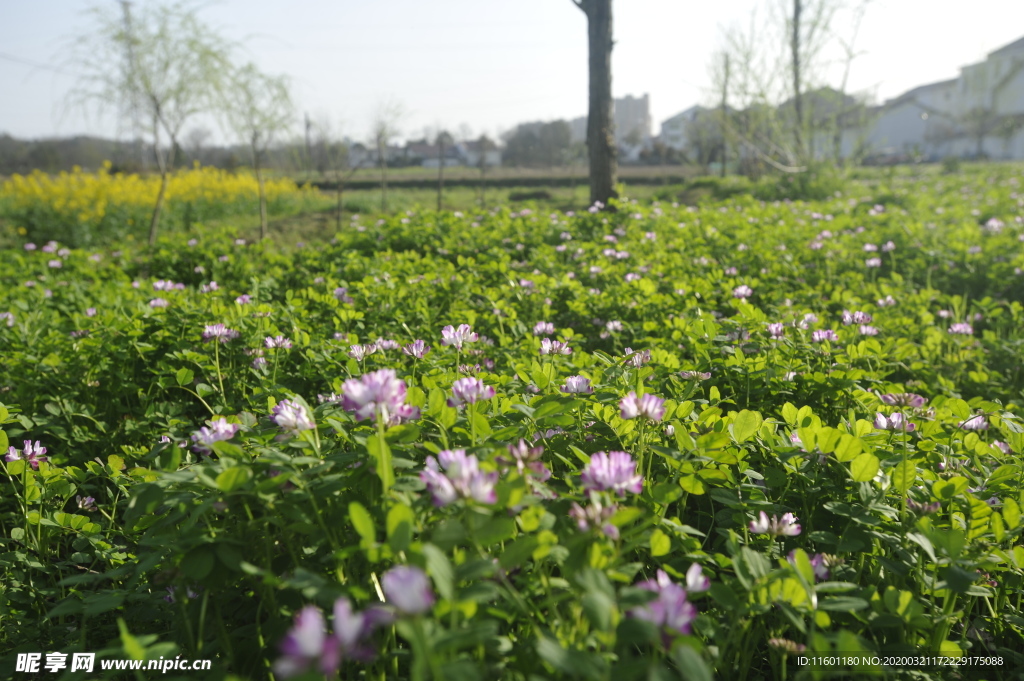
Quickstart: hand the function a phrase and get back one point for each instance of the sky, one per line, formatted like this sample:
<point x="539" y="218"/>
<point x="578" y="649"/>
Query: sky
<point x="484" y="66"/>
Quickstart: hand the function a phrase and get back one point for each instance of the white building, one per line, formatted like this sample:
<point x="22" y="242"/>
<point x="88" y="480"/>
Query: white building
<point x="674" y="130"/>
<point x="981" y="112"/>
<point x="632" y="122"/>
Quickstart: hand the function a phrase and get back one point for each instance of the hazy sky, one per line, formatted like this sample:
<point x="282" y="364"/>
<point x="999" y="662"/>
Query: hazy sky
<point x="488" y="64"/>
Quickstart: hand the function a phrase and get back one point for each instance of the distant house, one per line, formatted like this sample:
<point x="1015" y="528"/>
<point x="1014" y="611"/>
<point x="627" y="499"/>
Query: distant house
<point x="979" y="113"/>
<point x="476" y="151"/>
<point x="674" y="130"/>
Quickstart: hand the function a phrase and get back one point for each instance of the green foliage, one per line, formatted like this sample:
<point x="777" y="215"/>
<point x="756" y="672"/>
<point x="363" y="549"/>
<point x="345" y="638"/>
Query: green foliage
<point x="908" y="540"/>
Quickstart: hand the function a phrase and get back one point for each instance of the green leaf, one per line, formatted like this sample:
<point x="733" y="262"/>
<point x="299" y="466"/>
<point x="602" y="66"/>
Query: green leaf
<point x="904" y="474"/>
<point x="692" y="484"/>
<point x="400" y="523"/>
<point x="132" y="648"/>
<point x="848" y="448"/>
<point x="745" y="425"/>
<point x="660" y="542"/>
<point x="789" y="413"/>
<point x="1011" y="513"/>
<point x="864" y="467"/>
<point x="362" y="521"/>
<point x="184" y="376"/>
<point x="692" y="666"/>
<point x="233" y="478"/>
<point x="440" y="568"/>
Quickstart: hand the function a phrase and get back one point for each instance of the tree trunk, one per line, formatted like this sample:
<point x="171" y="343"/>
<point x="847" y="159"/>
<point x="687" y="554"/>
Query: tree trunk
<point x="165" y="165"/>
<point x="440" y="173"/>
<point x="263" y="195"/>
<point x="383" y="175"/>
<point x="600" y="118"/>
<point x="798" y="103"/>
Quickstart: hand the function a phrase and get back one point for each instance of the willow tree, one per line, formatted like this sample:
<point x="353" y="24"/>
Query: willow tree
<point x="600" y="117"/>
<point x="256" y="107"/>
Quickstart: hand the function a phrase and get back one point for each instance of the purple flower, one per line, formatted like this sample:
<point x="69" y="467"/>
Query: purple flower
<point x="784" y="526"/>
<point x="243" y="299"/>
<point x="777" y="330"/>
<point x="209" y="288"/>
<point x="361" y="352"/>
<point x="32" y="453"/>
<point x="857" y="317"/>
<point x="341" y="293"/>
<point x="888" y="246"/>
<point x="417" y="349"/>
<point x="612" y="471"/>
<point x="305" y="645"/>
<point x="962" y="328"/>
<point x="895" y="421"/>
<point x="870" y="248"/>
<point x="90" y="312"/>
<point x="383" y="344"/>
<point x="158" y="302"/>
<point x="30" y="246"/>
<point x="8" y="317"/>
<point x="696" y="582"/>
<point x="867" y="330"/>
<point x="217" y="431"/>
<point x="1002" y="446"/>
<point x="550" y="347"/>
<point x="453" y="474"/>
<point x="649" y="406"/>
<point x="378" y="392"/>
<point x="292" y="416"/>
<point x="220" y="332"/>
<point x="742" y="291"/>
<point x="527" y="460"/>
<point x="670" y="609"/>
<point x="543" y="328"/>
<point x="86" y="503"/>
<point x="577" y="384"/>
<point x="613" y="326"/>
<point x="468" y="391"/>
<point x="975" y="423"/>
<point x="458" y="336"/>
<point x="888" y="301"/>
<point x="822" y="335"/>
<point x="808" y="319"/>
<point x="694" y="375"/>
<point x="277" y="342"/>
<point x="597" y="515"/>
<point x="923" y="508"/>
<point x="873" y="262"/>
<point x="408" y="589"/>
<point x="637" y="359"/>
<point x="912" y="400"/>
<point x="55" y="263"/>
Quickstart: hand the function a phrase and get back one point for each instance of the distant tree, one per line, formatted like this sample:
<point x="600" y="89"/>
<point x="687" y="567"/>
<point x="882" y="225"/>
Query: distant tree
<point x="256" y="108"/>
<point x="195" y="141"/>
<point x="162" y="65"/>
<point x="539" y="144"/>
<point x="600" y="117"/>
<point x="385" y="128"/>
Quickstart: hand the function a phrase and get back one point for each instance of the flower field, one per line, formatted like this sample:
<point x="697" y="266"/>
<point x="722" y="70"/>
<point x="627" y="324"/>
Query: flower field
<point x="89" y="209"/>
<point x="748" y="440"/>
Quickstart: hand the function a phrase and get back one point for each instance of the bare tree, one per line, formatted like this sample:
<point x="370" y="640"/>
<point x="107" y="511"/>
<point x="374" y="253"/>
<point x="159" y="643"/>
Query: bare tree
<point x="443" y="139"/>
<point x="256" y="107"/>
<point x="385" y="128"/>
<point x="163" y="63"/>
<point x="195" y="141"/>
<point x="600" y="117"/>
